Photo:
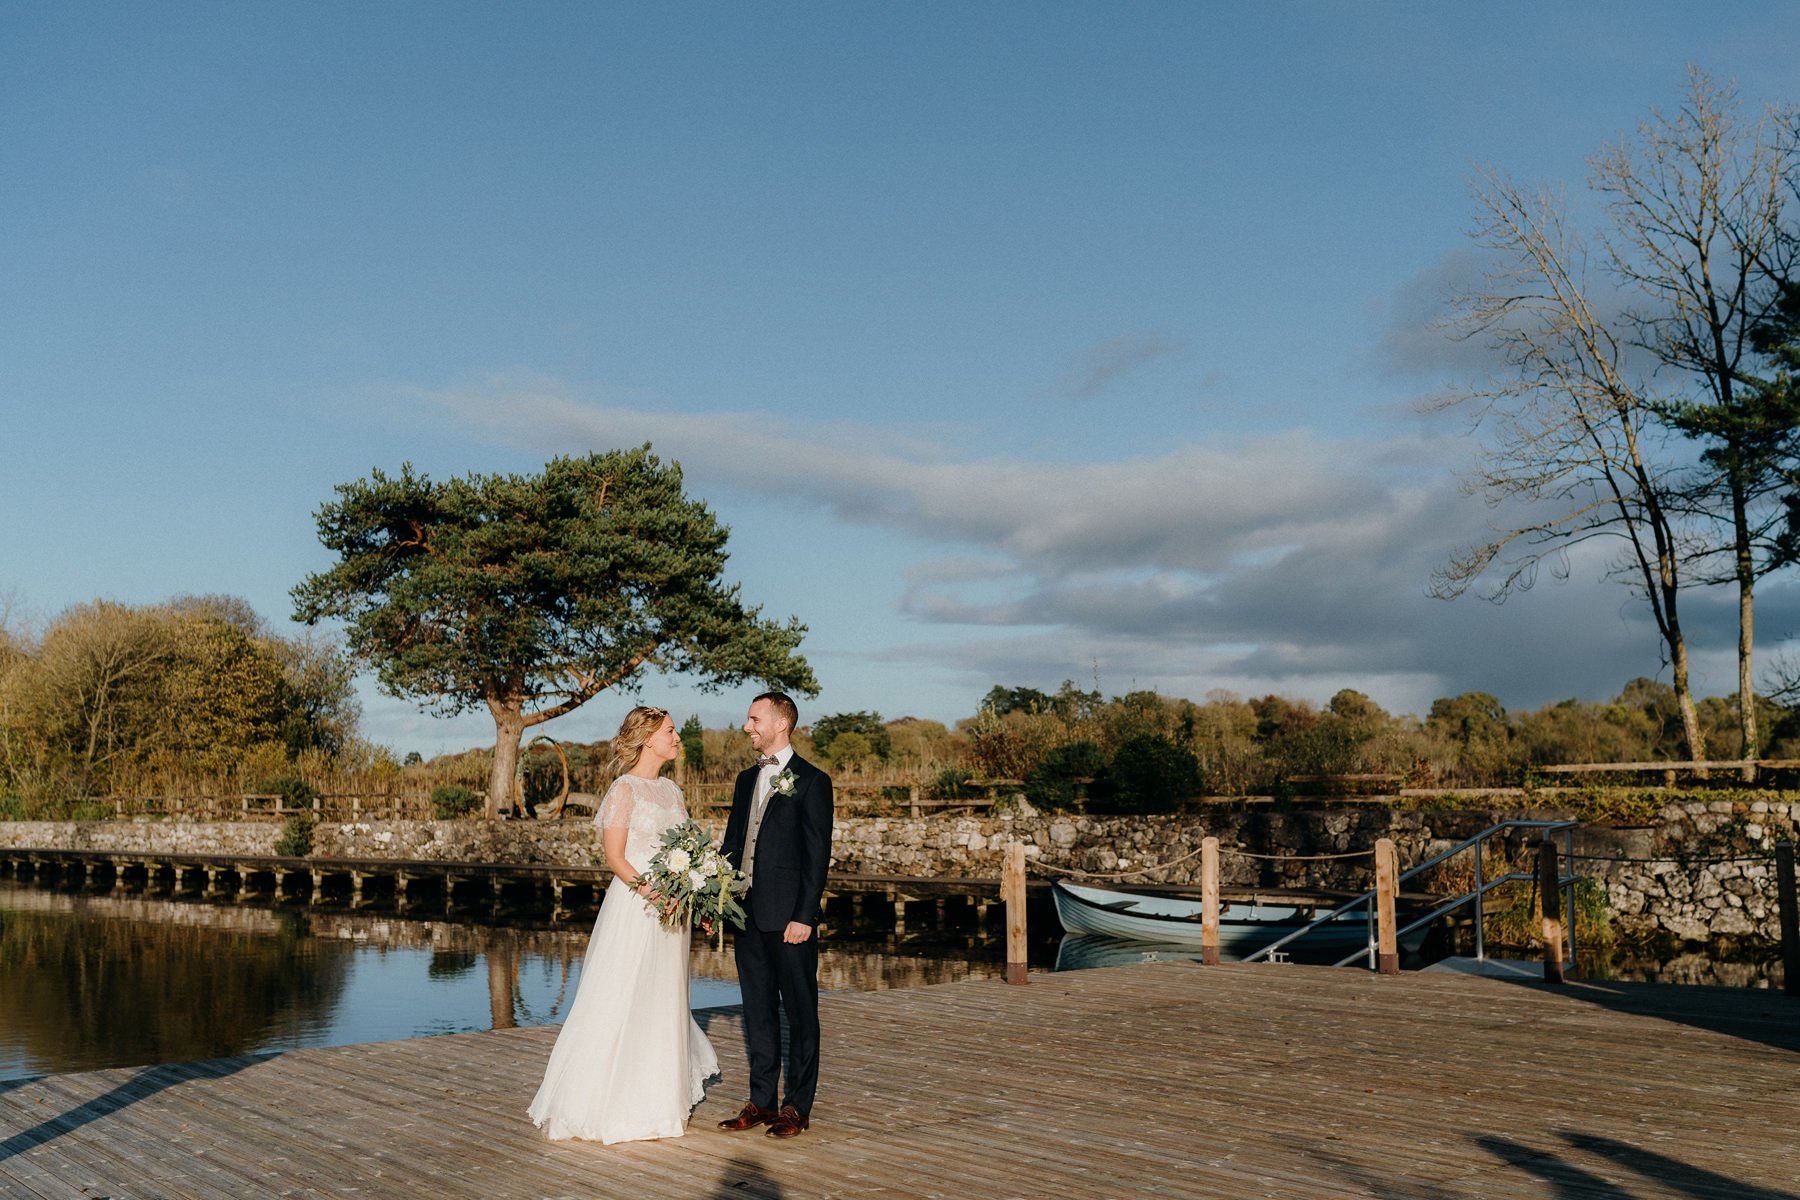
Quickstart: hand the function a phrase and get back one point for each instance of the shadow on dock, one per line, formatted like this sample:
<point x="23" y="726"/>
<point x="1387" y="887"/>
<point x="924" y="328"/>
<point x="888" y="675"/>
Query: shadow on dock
<point x="146" y="1083"/>
<point x="745" y="1177"/>
<point x="1668" y="1174"/>
<point x="1762" y="1015"/>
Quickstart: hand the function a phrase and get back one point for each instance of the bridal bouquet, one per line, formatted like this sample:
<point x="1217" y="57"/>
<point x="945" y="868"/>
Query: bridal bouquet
<point x="694" y="880"/>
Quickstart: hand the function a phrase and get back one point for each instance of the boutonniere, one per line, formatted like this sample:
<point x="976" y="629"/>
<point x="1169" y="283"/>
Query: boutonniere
<point x="782" y="784"/>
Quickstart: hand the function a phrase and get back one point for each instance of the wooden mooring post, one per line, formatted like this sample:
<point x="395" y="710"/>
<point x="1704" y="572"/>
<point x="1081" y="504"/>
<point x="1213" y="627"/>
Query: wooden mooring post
<point x="1790" y="917"/>
<point x="1209" y="901"/>
<point x="1387" y="882"/>
<point x="1012" y="892"/>
<point x="1550" y="893"/>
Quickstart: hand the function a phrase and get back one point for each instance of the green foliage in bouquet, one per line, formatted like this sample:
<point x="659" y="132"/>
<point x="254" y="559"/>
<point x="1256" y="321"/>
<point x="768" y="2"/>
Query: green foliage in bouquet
<point x="696" y="883"/>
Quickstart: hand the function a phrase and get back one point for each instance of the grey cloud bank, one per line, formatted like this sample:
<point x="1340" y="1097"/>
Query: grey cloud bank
<point x="1292" y="562"/>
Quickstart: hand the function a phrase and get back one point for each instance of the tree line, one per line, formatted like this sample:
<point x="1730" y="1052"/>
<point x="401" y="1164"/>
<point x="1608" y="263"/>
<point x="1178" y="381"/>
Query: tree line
<point x="199" y="694"/>
<point x="113" y="699"/>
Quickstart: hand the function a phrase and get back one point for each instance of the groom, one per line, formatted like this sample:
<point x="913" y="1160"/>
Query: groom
<point x="779" y="835"/>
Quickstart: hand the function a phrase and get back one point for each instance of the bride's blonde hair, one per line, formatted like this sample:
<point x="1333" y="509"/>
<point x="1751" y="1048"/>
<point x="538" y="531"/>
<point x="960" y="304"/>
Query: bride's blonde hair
<point x="639" y="725"/>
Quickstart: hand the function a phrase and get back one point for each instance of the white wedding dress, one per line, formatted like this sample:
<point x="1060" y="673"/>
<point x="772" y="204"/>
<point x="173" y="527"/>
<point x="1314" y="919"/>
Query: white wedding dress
<point x="630" y="1062"/>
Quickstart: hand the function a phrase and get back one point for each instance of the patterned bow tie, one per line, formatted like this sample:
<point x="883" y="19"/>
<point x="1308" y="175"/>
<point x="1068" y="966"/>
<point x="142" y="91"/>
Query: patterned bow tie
<point x="766" y="760"/>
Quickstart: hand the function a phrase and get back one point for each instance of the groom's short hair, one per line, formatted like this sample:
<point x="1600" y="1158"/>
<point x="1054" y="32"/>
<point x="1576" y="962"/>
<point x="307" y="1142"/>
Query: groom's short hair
<point x="784" y="704"/>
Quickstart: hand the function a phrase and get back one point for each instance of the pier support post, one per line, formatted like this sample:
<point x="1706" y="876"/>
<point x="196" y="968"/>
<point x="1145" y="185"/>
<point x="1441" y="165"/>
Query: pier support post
<point x="1551" y="895"/>
<point x="1790" y="917"/>
<point x="1209" y="901"/>
<point x="1387" y="876"/>
<point x="1012" y="892"/>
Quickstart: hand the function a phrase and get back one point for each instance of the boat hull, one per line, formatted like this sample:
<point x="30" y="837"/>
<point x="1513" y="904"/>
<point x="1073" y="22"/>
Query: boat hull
<point x="1244" y="927"/>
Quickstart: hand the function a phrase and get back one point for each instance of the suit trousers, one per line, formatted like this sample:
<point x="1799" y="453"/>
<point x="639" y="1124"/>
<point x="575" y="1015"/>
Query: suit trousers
<point x="779" y="978"/>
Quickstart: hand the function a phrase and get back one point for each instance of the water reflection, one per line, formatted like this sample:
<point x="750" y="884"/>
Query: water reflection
<point x="93" y="980"/>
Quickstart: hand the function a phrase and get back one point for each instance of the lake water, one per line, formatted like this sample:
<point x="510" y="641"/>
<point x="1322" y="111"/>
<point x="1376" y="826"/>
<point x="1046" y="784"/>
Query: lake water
<point x="89" y="980"/>
<point x="111" y="980"/>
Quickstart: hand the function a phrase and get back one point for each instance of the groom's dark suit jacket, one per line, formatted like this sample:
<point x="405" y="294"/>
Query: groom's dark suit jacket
<point x="793" y="848"/>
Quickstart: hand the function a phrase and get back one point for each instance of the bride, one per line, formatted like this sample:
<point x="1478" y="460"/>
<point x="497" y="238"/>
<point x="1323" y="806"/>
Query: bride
<point x="630" y="1062"/>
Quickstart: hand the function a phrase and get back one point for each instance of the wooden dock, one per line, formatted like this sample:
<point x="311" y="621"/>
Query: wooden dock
<point x="1163" y="1079"/>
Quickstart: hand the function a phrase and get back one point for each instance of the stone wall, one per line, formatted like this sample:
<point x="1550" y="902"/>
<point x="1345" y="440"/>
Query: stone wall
<point x="1705" y="869"/>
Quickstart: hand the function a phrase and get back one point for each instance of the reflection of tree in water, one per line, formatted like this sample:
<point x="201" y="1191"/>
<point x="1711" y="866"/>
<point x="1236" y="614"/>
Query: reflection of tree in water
<point x="451" y="964"/>
<point x="85" y="990"/>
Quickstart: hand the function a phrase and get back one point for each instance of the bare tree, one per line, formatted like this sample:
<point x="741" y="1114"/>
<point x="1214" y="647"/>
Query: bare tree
<point x="1569" y="434"/>
<point x="1697" y="202"/>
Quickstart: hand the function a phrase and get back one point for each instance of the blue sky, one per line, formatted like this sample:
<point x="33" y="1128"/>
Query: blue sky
<point x="1015" y="342"/>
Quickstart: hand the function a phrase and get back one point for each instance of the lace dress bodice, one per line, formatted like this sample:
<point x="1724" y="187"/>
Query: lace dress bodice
<point x="646" y="807"/>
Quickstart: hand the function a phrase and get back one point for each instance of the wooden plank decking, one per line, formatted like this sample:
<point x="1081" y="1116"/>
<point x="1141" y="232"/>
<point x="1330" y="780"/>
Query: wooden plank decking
<point x="1164" y="1079"/>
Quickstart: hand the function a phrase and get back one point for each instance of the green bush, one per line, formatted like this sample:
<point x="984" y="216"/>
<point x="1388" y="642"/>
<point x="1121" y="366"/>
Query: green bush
<point x="1059" y="779"/>
<point x="952" y="783"/>
<point x="450" y="801"/>
<point x="1150" y="773"/>
<point x="296" y="838"/>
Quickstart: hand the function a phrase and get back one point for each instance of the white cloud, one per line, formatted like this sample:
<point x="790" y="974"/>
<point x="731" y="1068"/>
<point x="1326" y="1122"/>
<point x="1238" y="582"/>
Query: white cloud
<point x="1286" y="561"/>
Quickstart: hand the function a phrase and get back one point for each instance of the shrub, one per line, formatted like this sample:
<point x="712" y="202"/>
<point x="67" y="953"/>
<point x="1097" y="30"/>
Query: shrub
<point x="1149" y="773"/>
<point x="1013" y="746"/>
<point x="1063" y="773"/>
<point x="296" y="838"/>
<point x="450" y="801"/>
<point x="952" y="783"/>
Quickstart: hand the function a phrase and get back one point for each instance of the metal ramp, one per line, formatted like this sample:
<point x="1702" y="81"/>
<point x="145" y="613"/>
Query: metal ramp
<point x="1565" y="881"/>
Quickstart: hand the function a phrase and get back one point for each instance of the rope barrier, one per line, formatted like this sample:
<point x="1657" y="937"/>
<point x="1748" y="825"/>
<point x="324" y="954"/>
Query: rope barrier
<point x="1297" y="857"/>
<point x="1114" y="875"/>
<point x="1075" y="873"/>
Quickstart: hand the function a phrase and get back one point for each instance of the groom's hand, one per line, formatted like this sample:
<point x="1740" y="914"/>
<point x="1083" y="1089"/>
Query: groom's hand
<point x="795" y="933"/>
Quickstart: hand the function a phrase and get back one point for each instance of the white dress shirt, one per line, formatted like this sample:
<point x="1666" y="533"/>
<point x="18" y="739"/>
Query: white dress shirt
<point x="759" y="801"/>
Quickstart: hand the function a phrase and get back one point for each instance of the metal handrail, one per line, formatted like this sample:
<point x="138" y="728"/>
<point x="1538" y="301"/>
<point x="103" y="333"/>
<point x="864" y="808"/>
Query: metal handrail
<point x="1482" y="888"/>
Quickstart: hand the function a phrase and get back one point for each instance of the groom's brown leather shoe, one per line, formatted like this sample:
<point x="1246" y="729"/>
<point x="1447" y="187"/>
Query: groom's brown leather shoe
<point x="789" y="1122"/>
<point x="750" y="1117"/>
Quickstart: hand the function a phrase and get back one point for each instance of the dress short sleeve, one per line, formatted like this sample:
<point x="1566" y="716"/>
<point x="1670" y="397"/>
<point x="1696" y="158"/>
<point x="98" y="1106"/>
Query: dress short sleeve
<point x="617" y="806"/>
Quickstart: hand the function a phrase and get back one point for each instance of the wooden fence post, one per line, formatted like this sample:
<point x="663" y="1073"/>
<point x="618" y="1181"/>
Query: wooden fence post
<point x="1790" y="917"/>
<point x="1012" y="891"/>
<point x="1550" y="892"/>
<point x="1387" y="875"/>
<point x="1209" y="901"/>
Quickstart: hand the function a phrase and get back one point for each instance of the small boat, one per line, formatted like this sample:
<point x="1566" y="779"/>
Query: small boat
<point x="1244" y="926"/>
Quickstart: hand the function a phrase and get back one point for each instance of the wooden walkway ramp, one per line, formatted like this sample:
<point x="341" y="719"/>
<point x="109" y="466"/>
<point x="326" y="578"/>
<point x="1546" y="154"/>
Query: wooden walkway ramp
<point x="1164" y="1079"/>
